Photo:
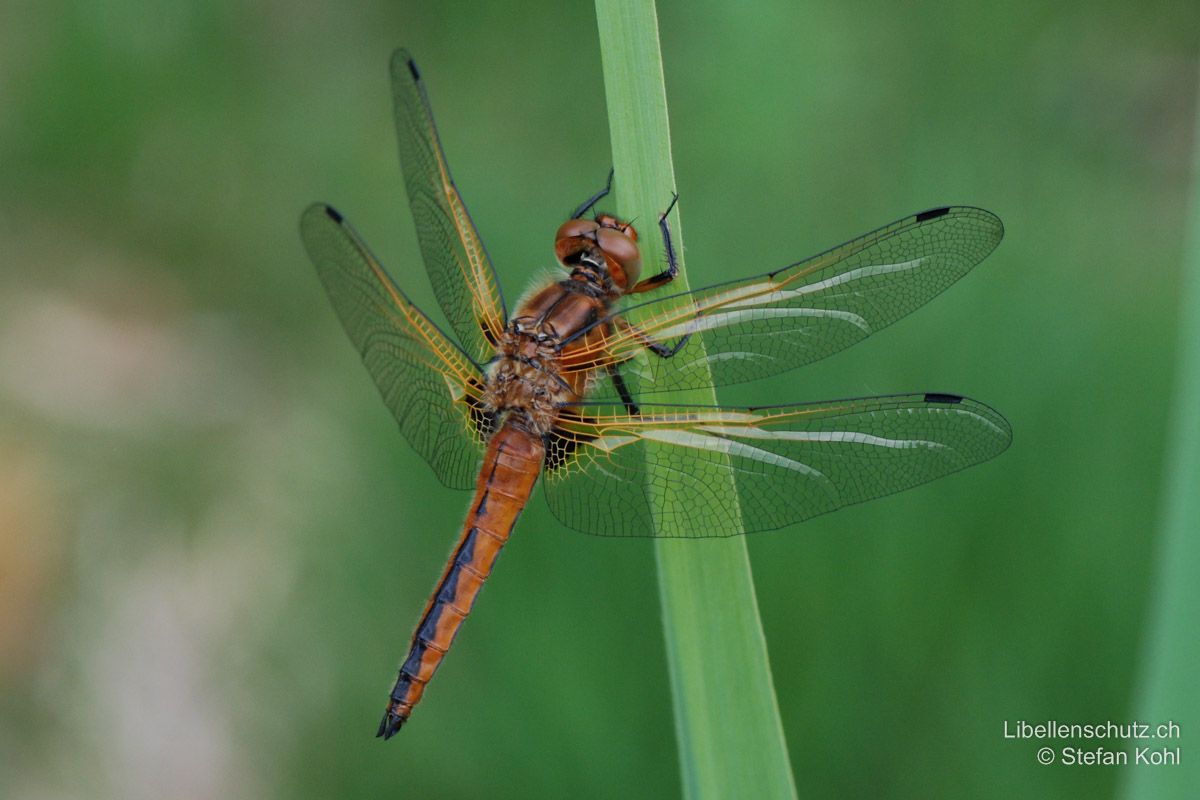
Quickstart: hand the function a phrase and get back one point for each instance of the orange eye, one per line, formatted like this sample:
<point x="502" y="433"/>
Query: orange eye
<point x="609" y="221"/>
<point x="573" y="236"/>
<point x="575" y="227"/>
<point x="621" y="251"/>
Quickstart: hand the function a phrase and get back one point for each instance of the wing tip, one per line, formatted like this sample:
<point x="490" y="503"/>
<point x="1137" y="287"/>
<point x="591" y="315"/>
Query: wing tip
<point x="989" y="223"/>
<point x="402" y="61"/>
<point x="315" y="217"/>
<point x="1000" y="423"/>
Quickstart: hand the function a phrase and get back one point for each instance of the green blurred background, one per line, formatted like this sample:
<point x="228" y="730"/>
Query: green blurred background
<point x="214" y="543"/>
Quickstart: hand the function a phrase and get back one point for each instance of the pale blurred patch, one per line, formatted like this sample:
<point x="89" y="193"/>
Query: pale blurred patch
<point x="176" y="664"/>
<point x="78" y="364"/>
<point x="155" y="498"/>
<point x="30" y="552"/>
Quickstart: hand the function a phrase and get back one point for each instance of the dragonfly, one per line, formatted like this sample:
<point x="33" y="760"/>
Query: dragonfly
<point x="566" y="387"/>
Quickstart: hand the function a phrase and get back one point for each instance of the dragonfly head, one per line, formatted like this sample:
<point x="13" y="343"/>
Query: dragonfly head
<point x="606" y="240"/>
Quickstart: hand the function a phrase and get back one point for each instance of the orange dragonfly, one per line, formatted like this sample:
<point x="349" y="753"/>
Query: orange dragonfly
<point x="555" y="390"/>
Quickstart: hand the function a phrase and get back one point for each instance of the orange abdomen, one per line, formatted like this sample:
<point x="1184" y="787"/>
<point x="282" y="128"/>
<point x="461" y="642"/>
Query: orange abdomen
<point x="510" y="469"/>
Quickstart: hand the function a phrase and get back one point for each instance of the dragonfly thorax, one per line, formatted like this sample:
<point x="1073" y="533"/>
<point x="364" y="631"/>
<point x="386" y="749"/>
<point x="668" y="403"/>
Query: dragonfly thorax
<point x="524" y="383"/>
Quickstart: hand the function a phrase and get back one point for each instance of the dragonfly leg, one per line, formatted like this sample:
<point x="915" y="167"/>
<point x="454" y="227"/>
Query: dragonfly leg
<point x="653" y="345"/>
<point x="618" y="380"/>
<point x="590" y="203"/>
<point x="667" y="275"/>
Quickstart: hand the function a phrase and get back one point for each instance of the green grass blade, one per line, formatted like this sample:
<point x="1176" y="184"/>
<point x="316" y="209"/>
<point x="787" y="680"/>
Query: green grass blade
<point x="730" y="738"/>
<point x="1171" y="651"/>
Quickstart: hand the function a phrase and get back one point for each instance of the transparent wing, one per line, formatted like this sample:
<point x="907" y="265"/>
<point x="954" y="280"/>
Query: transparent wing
<point x="458" y="266"/>
<point x="429" y="384"/>
<point x="748" y="329"/>
<point x="614" y="474"/>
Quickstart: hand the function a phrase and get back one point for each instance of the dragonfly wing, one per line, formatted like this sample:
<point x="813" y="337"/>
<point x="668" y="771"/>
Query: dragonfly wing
<point x="458" y="266"/>
<point x="430" y="385"/>
<point x="615" y="474"/>
<point x="751" y="328"/>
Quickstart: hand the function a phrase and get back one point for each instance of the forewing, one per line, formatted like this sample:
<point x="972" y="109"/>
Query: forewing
<point x="458" y="266"/>
<point x="755" y="327"/>
<point x="429" y="384"/>
<point x="669" y="468"/>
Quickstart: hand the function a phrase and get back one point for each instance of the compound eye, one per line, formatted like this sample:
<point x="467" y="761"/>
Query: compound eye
<point x="621" y="249"/>
<point x="572" y="237"/>
<point x="575" y="227"/>
<point x="609" y="221"/>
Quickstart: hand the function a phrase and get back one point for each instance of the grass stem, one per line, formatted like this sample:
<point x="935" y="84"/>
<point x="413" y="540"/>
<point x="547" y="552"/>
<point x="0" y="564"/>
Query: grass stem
<point x="727" y="724"/>
<point x="1171" y="650"/>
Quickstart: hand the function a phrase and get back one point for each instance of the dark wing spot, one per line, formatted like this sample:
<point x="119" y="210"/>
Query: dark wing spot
<point x="935" y="397"/>
<point x="561" y="447"/>
<point x="412" y="68"/>
<point x="932" y="213"/>
<point x="483" y="421"/>
<point x="332" y="213"/>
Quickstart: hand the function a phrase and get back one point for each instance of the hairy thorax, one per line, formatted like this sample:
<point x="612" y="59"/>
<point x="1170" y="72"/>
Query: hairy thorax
<point x="527" y="382"/>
